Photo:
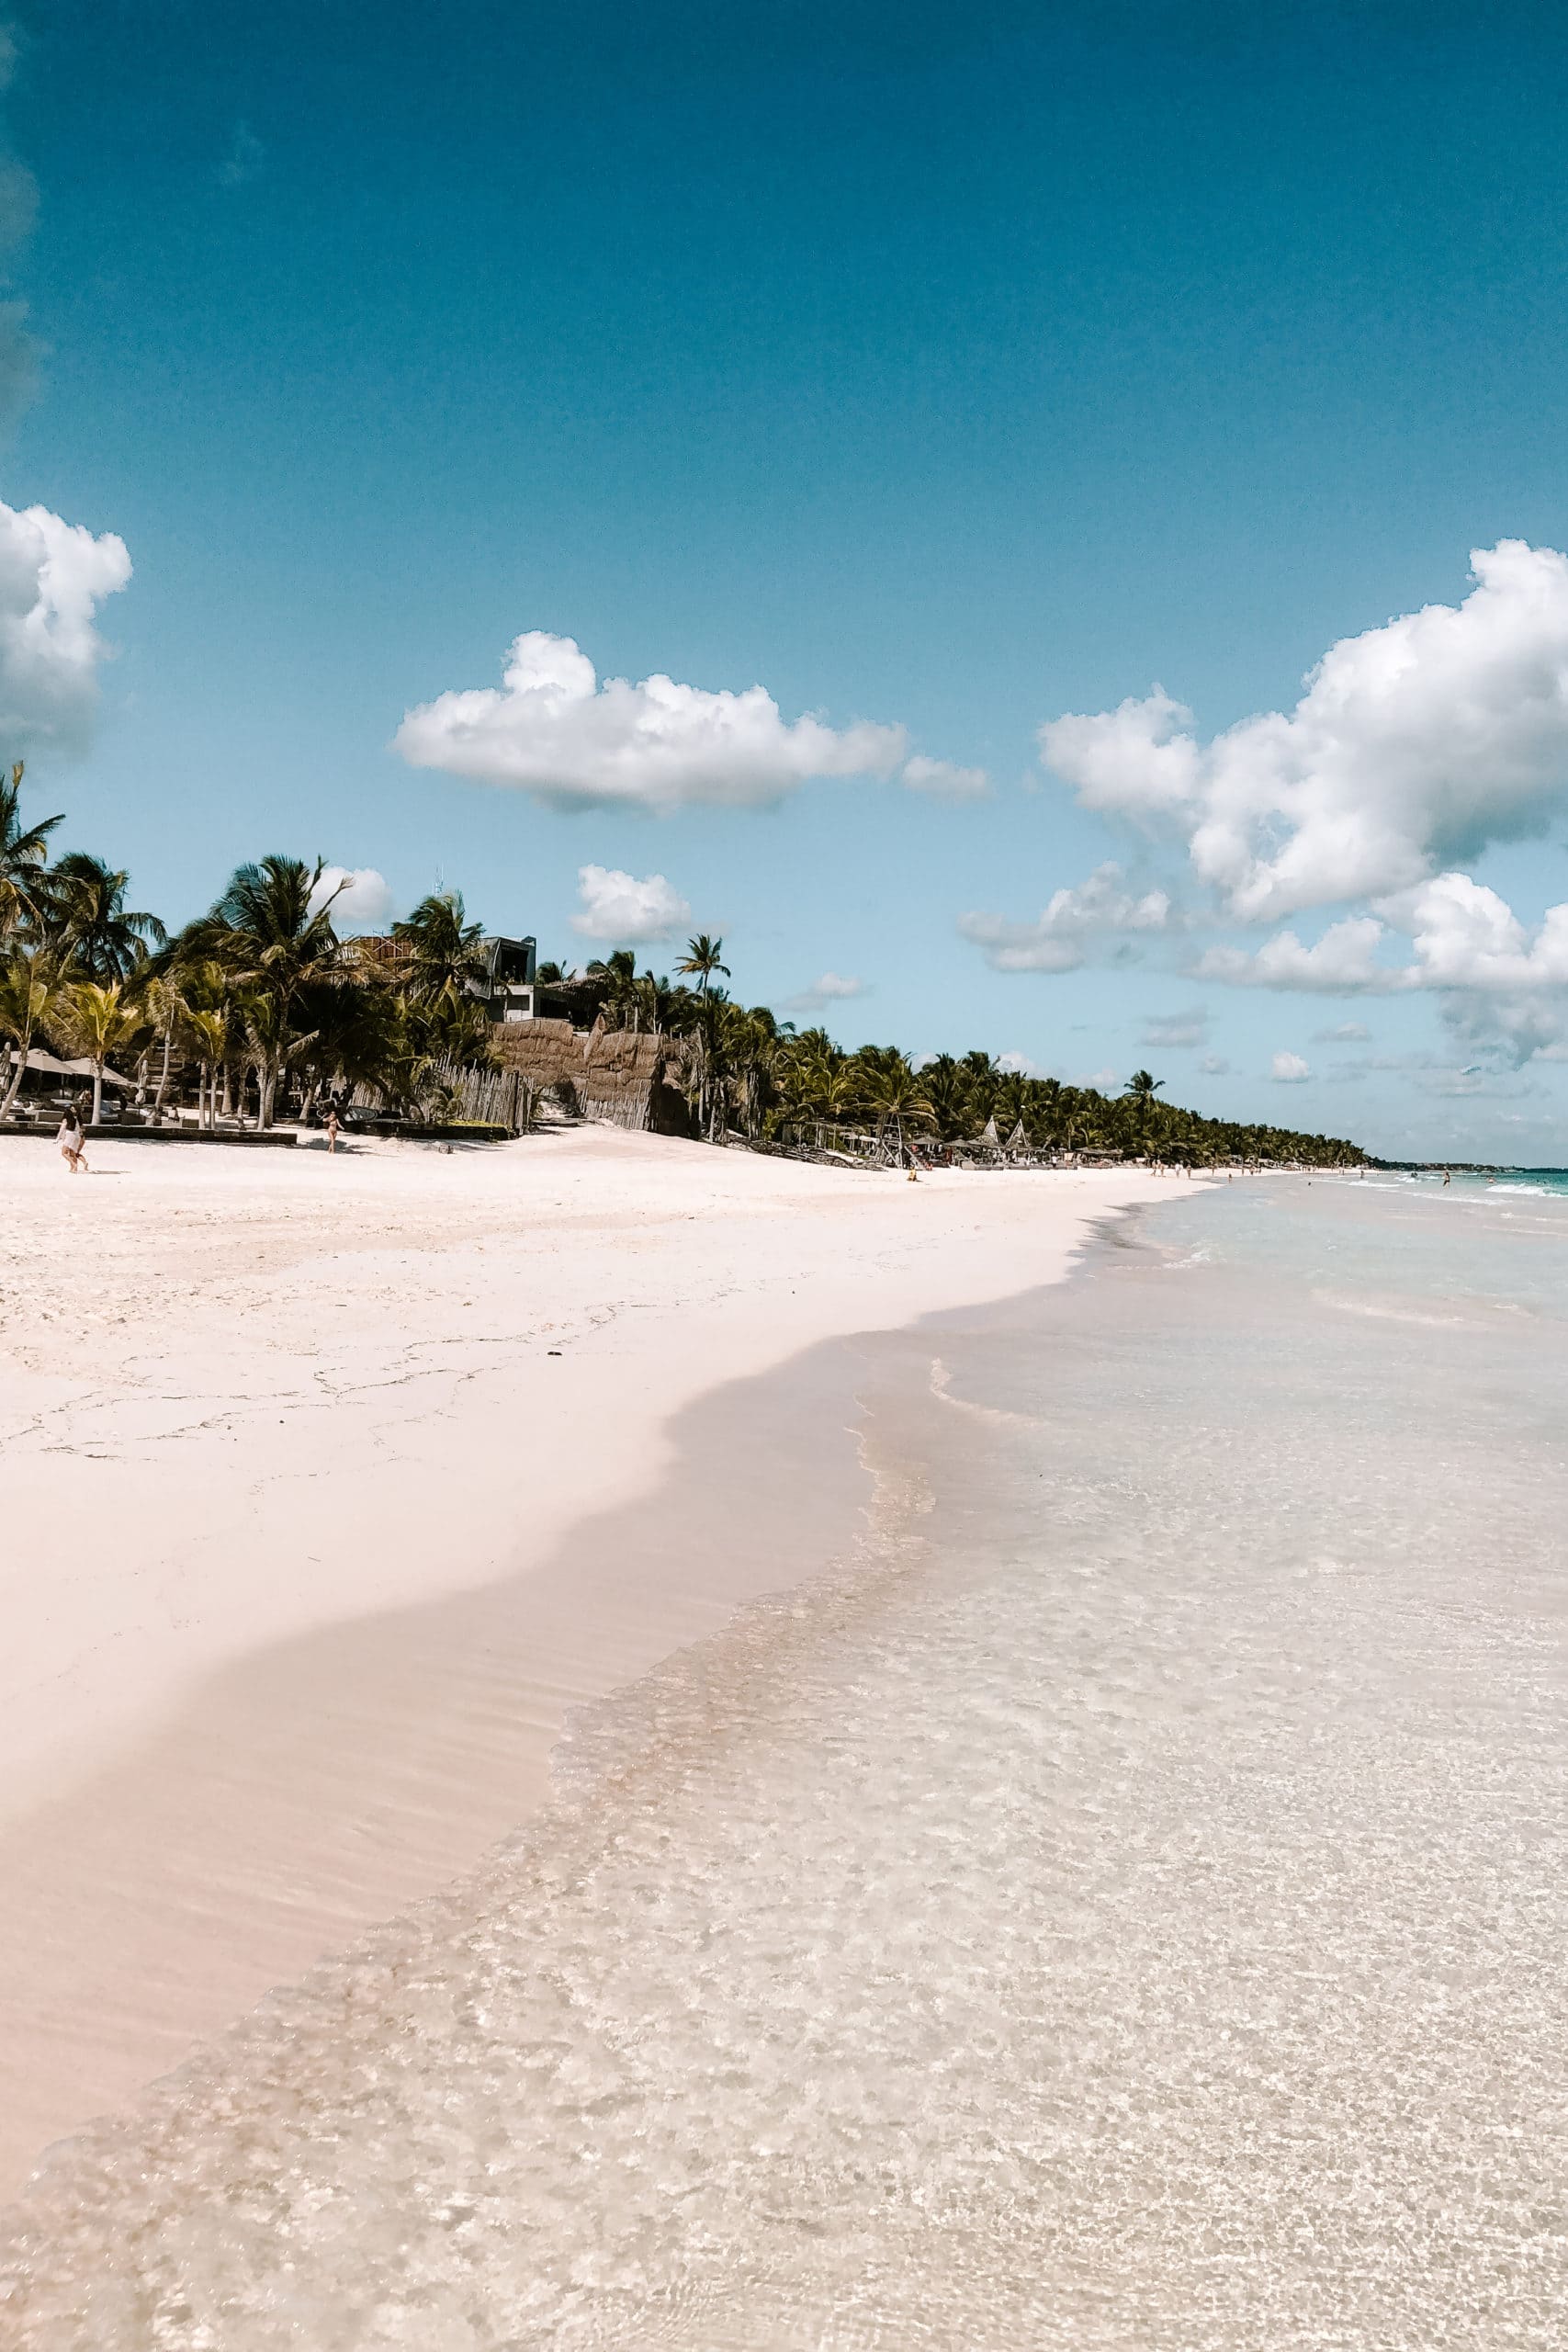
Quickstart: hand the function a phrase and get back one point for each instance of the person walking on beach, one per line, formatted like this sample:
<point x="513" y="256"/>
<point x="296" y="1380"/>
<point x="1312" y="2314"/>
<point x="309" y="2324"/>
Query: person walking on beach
<point x="70" y="1141"/>
<point x="332" y="1128"/>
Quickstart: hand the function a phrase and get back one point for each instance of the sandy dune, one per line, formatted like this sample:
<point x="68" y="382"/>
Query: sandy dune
<point x="293" y="1475"/>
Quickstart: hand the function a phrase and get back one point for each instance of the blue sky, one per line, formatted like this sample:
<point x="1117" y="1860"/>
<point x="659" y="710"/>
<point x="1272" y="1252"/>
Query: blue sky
<point x="948" y="371"/>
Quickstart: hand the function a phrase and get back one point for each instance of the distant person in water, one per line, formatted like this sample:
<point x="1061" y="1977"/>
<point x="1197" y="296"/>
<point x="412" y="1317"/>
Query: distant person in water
<point x="1448" y="1178"/>
<point x="70" y="1141"/>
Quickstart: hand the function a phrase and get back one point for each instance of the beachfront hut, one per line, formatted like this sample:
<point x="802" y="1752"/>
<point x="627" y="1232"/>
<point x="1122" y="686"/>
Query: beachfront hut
<point x="49" y="1079"/>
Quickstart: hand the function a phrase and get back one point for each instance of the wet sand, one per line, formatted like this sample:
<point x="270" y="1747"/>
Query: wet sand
<point x="316" y="1540"/>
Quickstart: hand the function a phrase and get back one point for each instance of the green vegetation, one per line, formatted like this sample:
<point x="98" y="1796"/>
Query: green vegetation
<point x="802" y="1090"/>
<point x="258" y="1009"/>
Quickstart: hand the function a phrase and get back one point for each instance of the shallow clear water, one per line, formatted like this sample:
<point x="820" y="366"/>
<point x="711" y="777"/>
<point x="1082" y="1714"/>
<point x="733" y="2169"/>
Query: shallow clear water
<point x="1125" y="1906"/>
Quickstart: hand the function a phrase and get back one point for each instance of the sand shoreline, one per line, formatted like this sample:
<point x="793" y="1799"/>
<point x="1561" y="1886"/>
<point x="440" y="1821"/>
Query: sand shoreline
<point x="329" y="1584"/>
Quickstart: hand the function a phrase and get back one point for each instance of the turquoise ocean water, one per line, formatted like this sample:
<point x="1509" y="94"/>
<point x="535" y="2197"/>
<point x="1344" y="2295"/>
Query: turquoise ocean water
<point x="1123" y="1904"/>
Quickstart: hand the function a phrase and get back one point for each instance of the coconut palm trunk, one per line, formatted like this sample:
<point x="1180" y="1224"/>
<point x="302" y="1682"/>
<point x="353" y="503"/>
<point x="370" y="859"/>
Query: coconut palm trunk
<point x="30" y="997"/>
<point x="17" y="1053"/>
<point x="162" y="1095"/>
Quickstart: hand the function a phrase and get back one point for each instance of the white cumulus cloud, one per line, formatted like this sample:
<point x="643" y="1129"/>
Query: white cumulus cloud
<point x="630" y="910"/>
<point x="1287" y="1070"/>
<point x="1059" y="939"/>
<point x="54" y="577"/>
<point x="1414" y="745"/>
<point x="943" y="781"/>
<point x="1164" y="1030"/>
<point x="1466" y="936"/>
<point x="1462" y="934"/>
<point x="1504" y="983"/>
<point x="553" y="730"/>
<point x="832" y="988"/>
<point x="362" y="898"/>
<point x="1343" y="961"/>
<point x="1501" y="983"/>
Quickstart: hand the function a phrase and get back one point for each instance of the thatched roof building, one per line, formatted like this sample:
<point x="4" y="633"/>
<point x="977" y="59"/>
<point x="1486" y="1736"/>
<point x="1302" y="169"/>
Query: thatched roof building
<point x="616" y="1075"/>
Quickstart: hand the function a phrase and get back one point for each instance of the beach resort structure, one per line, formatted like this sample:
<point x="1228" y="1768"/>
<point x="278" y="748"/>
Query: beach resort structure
<point x="52" y="1080"/>
<point x="510" y="991"/>
<point x="622" y="1078"/>
<point x="507" y="988"/>
<point x="619" y="1077"/>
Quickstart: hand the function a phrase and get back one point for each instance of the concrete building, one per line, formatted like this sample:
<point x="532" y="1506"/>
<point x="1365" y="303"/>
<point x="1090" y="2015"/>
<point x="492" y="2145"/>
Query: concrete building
<point x="509" y="989"/>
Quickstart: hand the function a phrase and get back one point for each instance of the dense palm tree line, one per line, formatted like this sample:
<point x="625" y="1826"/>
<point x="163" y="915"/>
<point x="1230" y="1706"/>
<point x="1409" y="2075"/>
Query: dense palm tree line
<point x="745" y="1073"/>
<point x="260" y="1006"/>
<point x="259" y="1000"/>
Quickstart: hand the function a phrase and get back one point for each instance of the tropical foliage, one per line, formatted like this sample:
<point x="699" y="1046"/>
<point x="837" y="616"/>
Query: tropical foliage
<point x="256" y="1005"/>
<point x="260" y="1006"/>
<point x="746" y="1074"/>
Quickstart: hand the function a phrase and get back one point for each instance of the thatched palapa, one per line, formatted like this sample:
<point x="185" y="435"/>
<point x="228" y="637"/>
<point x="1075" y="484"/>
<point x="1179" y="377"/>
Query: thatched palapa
<point x="617" y="1076"/>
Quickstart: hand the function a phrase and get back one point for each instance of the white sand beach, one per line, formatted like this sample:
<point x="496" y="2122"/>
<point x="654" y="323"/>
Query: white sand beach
<point x="271" y="1420"/>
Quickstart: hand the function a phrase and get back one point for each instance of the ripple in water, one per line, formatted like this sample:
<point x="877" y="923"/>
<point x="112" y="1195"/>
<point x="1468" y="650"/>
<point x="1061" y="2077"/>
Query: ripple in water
<point x="1128" y="1911"/>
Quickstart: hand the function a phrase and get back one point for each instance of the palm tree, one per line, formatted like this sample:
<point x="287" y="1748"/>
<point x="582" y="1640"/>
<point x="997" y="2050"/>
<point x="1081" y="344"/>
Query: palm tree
<point x="85" y="904"/>
<point x="275" y="1044"/>
<point x="29" y="998"/>
<point x="702" y="961"/>
<point x="23" y="852"/>
<point x="354" y="1033"/>
<point x="209" y="1032"/>
<point x="819" y="1082"/>
<point x="448" y="964"/>
<point x="1009" y="1101"/>
<point x="410" y="1071"/>
<point x="622" y="1002"/>
<point x="947" y="1087"/>
<point x="1141" y="1090"/>
<point x="100" y="1020"/>
<point x="897" y="1099"/>
<point x="746" y="1048"/>
<point x="838" y="1091"/>
<point x="271" y="932"/>
<point x="166" y="1008"/>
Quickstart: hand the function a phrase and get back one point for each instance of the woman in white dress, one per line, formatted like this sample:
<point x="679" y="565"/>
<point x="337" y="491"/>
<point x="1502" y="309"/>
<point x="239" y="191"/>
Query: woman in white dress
<point x="70" y="1141"/>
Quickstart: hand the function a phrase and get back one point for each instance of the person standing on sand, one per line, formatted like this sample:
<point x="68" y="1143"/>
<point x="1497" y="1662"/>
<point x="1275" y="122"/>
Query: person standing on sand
<point x="331" y="1129"/>
<point x="71" y="1139"/>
